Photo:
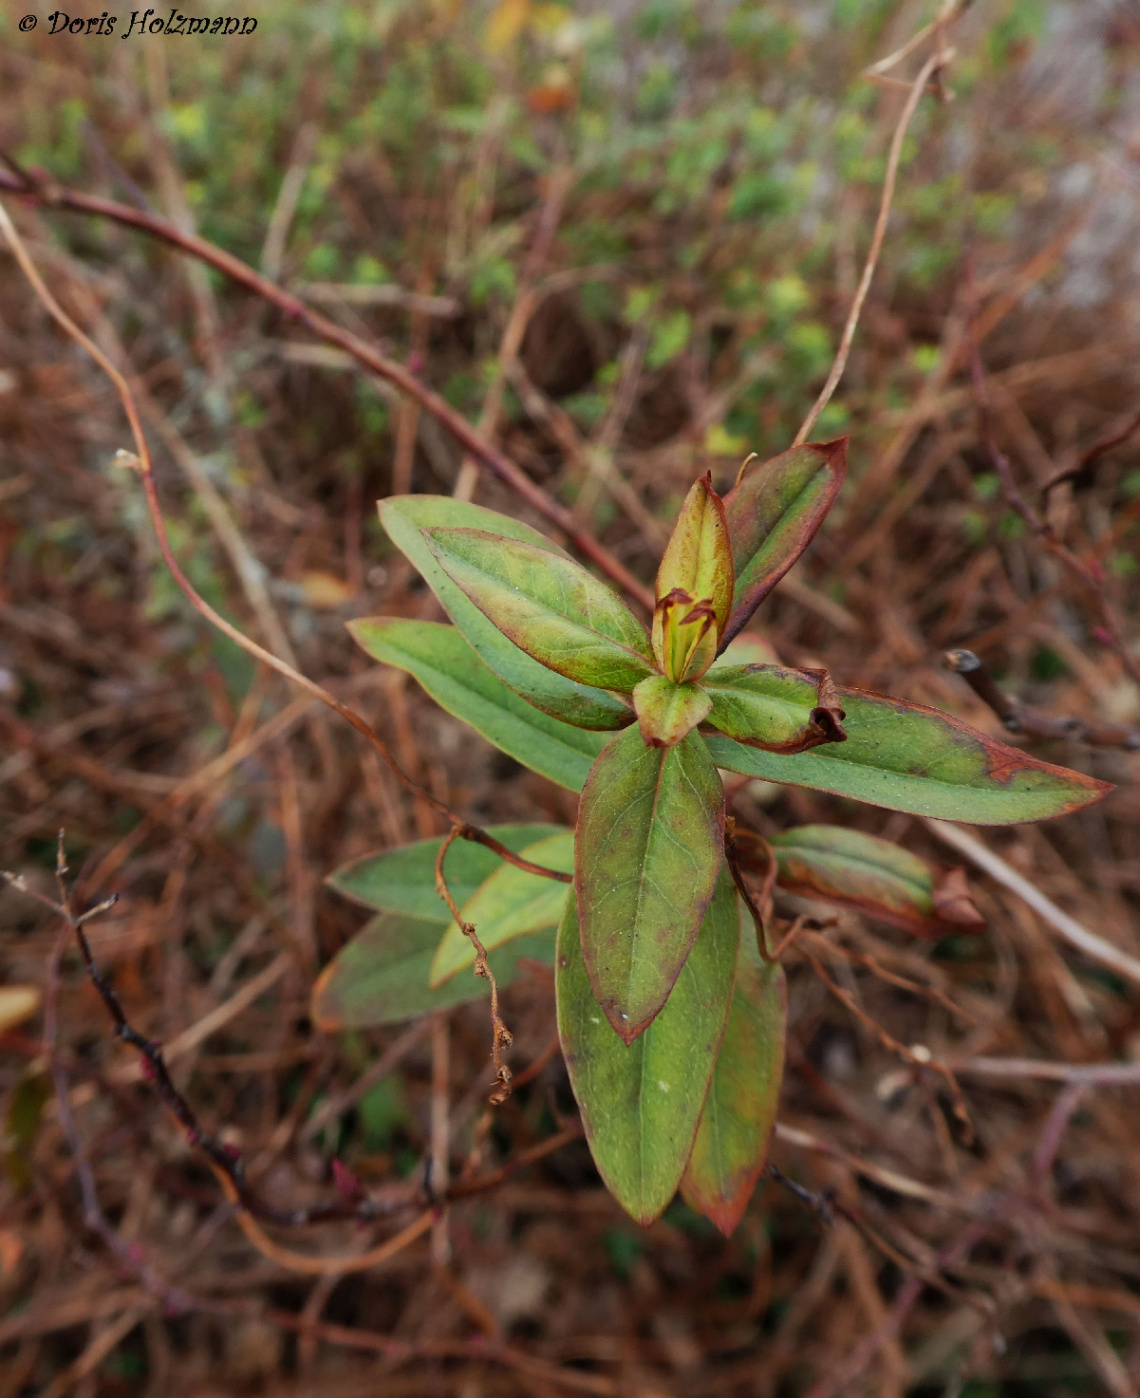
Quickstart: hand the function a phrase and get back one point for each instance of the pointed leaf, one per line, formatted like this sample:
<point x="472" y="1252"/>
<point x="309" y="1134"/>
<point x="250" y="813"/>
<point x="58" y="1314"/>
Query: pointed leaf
<point x="403" y="880"/>
<point x="640" y="1104"/>
<point x="775" y="708"/>
<point x="667" y="711"/>
<point x="458" y="681"/>
<point x="404" y="517"/>
<point x="911" y="758"/>
<point x="550" y="607"/>
<point x="509" y="904"/>
<point x="381" y="976"/>
<point x="877" y="877"/>
<point x="698" y="557"/>
<point x="649" y="848"/>
<point x="731" y="1148"/>
<point x="773" y="513"/>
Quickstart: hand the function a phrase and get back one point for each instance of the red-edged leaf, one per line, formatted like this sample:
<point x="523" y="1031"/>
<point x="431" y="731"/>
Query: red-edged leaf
<point x="649" y="848"/>
<point x="908" y="757"/>
<point x="775" y="708"/>
<point x="641" y="1102"/>
<point x="548" y="606"/>
<point x="731" y="1147"/>
<point x="773" y="513"/>
<point x="667" y="711"/>
<point x="861" y="871"/>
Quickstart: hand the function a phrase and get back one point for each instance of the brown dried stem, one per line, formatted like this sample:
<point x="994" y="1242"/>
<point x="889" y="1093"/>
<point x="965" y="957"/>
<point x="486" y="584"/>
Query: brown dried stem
<point x="501" y="1036"/>
<point x="1020" y="718"/>
<point x="141" y="463"/>
<point x="474" y="444"/>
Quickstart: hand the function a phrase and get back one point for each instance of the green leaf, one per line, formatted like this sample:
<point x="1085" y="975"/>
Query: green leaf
<point x="667" y="711"/>
<point x="773" y="513"/>
<point x="911" y="758"/>
<point x="404" y="517"/>
<point x="640" y="1103"/>
<point x="381" y="976"/>
<point x="403" y="880"/>
<point x="731" y="1147"/>
<point x="455" y="677"/>
<point x="510" y="904"/>
<point x="698" y="557"/>
<point x="877" y="877"/>
<point x="649" y="848"/>
<point x="549" y="606"/>
<point x="773" y="707"/>
<point x="748" y="648"/>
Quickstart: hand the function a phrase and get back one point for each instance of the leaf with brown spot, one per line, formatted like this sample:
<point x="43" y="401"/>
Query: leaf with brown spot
<point x="908" y="757"/>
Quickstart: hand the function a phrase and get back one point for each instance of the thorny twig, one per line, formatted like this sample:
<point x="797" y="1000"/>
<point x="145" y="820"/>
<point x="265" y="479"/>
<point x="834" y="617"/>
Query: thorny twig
<point x="1017" y="717"/>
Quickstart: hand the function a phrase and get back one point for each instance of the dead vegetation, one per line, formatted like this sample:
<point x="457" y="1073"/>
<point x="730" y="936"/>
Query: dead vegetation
<point x="212" y="799"/>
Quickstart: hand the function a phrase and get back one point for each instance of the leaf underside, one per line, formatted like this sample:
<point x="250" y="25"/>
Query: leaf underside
<point x="403" y="518"/>
<point x="446" y="666"/>
<point x="908" y="757"/>
<point x="381" y="976"/>
<point x="861" y="871"/>
<point x="774" y="707"/>
<point x="731" y="1146"/>
<point x="649" y="848"/>
<point x="511" y="903"/>
<point x="641" y="1104"/>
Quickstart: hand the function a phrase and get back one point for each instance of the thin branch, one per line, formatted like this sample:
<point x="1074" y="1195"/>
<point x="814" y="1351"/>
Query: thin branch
<point x="474" y="444"/>
<point x="920" y="1059"/>
<point x="894" y="155"/>
<point x="501" y="1036"/>
<point x="1092" y="946"/>
<point x="1020" y="718"/>
<point x="140" y="462"/>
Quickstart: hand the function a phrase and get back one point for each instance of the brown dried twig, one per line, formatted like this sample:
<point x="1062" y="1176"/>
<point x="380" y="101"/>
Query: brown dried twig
<point x="140" y="462"/>
<point x="1021" y="718"/>
<point x="53" y="195"/>
<point x="501" y="1036"/>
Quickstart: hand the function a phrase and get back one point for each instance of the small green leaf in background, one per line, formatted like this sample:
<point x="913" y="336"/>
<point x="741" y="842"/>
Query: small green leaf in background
<point x="404" y="517"/>
<point x="731" y="1147"/>
<point x="641" y="1103"/>
<point x="458" y="681"/>
<point x="877" y="877"/>
<point x="773" y="513"/>
<point x="667" y="711"/>
<point x="550" y="607"/>
<point x="908" y="757"/>
<point x="510" y="904"/>
<point x="773" y="707"/>
<point x="381" y="976"/>
<point x="650" y="845"/>
<point x="403" y="880"/>
<point x="698" y="557"/>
